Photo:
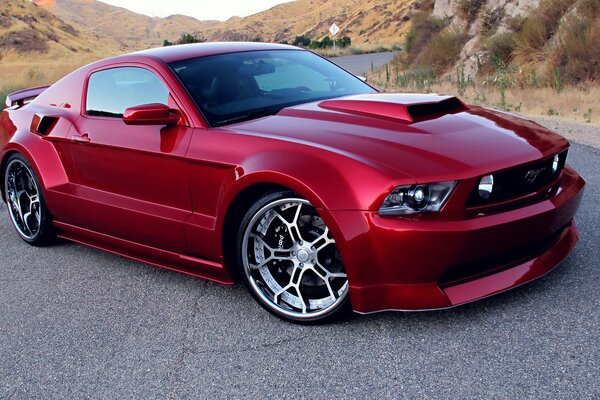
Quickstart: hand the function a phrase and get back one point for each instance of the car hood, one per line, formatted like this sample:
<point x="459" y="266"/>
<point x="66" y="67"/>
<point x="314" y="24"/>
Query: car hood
<point x="428" y="137"/>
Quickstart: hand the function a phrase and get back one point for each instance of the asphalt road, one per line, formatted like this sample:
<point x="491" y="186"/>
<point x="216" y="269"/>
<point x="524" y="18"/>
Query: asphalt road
<point x="80" y="323"/>
<point x="362" y="64"/>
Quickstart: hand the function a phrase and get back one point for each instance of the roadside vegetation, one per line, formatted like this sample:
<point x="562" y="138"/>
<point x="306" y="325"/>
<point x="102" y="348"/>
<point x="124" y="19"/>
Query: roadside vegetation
<point x="185" y="38"/>
<point x="545" y="64"/>
<point x="17" y="71"/>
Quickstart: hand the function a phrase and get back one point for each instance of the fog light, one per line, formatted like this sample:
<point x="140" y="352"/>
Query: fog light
<point x="486" y="187"/>
<point x="555" y="164"/>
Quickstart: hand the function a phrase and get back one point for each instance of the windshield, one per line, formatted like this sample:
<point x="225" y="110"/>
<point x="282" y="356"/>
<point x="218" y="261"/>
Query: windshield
<point x="235" y="87"/>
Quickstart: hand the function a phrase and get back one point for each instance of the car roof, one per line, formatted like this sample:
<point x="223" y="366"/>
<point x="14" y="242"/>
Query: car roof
<point x="175" y="53"/>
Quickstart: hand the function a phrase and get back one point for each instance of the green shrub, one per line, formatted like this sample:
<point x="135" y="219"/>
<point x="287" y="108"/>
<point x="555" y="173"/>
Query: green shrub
<point x="423" y="29"/>
<point x="540" y="26"/>
<point x="501" y="46"/>
<point x="185" y="39"/>
<point x="343" y="42"/>
<point x="579" y="50"/>
<point x="301" y="41"/>
<point x="443" y="50"/>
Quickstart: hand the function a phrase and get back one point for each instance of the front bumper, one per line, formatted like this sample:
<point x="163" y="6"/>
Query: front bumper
<point x="399" y="264"/>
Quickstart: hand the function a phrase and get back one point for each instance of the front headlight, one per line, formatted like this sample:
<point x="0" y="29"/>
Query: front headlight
<point x="419" y="198"/>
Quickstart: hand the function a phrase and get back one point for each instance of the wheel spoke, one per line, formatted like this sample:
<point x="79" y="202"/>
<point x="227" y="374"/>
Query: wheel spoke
<point x="325" y="278"/>
<point x="34" y="206"/>
<point x="26" y="222"/>
<point x="294" y="283"/>
<point x="292" y="227"/>
<point x="275" y="254"/>
<point x="304" y="307"/>
<point x="273" y="250"/>
<point x="316" y="244"/>
<point x="291" y="284"/>
<point x="18" y="201"/>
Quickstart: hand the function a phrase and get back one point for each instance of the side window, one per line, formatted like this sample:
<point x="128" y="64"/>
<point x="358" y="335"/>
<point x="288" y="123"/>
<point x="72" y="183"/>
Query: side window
<point x="112" y="91"/>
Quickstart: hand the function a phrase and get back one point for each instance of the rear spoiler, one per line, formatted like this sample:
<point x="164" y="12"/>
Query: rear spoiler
<point x="23" y="97"/>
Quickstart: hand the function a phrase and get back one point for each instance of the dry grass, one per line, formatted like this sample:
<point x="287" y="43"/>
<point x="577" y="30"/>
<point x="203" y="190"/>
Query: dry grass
<point x="443" y="49"/>
<point x="17" y="71"/>
<point x="578" y="53"/>
<point x="355" y="50"/>
<point x="578" y="104"/>
<point x="365" y="21"/>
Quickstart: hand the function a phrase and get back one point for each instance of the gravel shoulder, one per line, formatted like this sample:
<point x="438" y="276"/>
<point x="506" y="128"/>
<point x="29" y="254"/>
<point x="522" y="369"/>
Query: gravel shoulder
<point x="585" y="134"/>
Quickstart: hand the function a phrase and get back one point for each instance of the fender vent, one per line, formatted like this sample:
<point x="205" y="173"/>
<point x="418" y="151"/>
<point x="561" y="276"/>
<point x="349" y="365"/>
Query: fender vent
<point x="43" y="124"/>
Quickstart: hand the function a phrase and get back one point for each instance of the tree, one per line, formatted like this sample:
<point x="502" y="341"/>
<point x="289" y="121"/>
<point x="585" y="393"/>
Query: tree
<point x="326" y="42"/>
<point x="185" y="39"/>
<point x="301" y="41"/>
<point x="343" y="42"/>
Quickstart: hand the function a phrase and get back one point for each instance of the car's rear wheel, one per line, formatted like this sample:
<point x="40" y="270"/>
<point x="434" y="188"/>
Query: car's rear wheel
<point x="290" y="261"/>
<point x="25" y="202"/>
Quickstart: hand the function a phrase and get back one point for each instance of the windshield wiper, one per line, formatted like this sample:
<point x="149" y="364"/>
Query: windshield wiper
<point x="249" y="116"/>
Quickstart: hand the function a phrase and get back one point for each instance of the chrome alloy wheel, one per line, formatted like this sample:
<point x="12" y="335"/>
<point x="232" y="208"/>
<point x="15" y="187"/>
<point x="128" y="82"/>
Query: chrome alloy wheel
<point x="23" y="199"/>
<point x="291" y="260"/>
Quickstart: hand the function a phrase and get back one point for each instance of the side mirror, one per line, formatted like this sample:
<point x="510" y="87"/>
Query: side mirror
<point x="151" y="114"/>
<point x="362" y="78"/>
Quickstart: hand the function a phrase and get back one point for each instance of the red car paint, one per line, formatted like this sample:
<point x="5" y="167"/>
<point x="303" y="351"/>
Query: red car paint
<point x="161" y="194"/>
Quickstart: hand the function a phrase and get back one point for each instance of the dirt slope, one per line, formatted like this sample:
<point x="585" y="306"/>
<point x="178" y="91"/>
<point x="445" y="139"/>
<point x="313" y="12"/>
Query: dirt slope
<point x="365" y="21"/>
<point x="28" y="29"/>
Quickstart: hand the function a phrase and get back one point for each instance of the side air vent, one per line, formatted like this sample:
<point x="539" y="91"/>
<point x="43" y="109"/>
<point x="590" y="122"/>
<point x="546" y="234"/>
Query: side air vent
<point x="43" y="124"/>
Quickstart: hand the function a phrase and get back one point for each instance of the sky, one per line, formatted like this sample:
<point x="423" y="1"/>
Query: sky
<point x="200" y="9"/>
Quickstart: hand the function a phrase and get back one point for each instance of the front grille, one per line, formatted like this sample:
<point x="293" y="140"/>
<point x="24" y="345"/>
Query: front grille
<point x="495" y="264"/>
<point x="520" y="181"/>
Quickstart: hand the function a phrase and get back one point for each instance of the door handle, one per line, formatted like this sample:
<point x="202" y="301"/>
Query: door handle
<point x="83" y="138"/>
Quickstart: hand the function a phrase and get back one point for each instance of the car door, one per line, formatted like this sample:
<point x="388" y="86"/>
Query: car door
<point x="132" y="181"/>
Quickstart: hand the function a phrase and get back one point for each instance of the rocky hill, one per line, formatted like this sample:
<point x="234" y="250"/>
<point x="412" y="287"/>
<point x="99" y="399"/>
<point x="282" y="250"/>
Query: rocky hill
<point x="536" y="42"/>
<point x="481" y="19"/>
<point x="365" y="21"/>
<point x="131" y="30"/>
<point x="29" y="29"/>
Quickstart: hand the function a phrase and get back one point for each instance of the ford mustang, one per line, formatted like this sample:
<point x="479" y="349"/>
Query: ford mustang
<point x="269" y="165"/>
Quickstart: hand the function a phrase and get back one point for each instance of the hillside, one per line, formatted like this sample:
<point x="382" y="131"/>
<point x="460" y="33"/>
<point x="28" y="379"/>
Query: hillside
<point x="534" y="43"/>
<point x="37" y="48"/>
<point x="26" y="28"/>
<point x="365" y="21"/>
<point x="535" y="57"/>
<point x="131" y="30"/>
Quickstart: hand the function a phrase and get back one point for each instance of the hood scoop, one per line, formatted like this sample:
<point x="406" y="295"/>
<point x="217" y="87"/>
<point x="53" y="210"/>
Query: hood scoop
<point x="404" y="107"/>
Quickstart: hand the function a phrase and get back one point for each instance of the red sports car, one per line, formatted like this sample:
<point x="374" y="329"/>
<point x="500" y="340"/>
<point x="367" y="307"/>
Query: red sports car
<point x="269" y="165"/>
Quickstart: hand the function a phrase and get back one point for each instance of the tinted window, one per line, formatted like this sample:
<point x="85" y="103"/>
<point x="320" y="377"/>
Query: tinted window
<point x="112" y="91"/>
<point x="229" y="88"/>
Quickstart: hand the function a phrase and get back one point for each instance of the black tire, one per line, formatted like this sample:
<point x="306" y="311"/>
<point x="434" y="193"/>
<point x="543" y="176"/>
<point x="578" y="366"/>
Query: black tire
<point x="294" y="253"/>
<point x="32" y="221"/>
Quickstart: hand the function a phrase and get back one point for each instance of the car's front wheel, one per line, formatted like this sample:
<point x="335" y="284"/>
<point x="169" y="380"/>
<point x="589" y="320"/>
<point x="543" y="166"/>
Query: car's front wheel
<point x="25" y="202"/>
<point x="289" y="260"/>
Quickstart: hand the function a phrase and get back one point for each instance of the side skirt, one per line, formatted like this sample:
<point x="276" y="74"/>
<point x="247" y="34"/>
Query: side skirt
<point x="150" y="255"/>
